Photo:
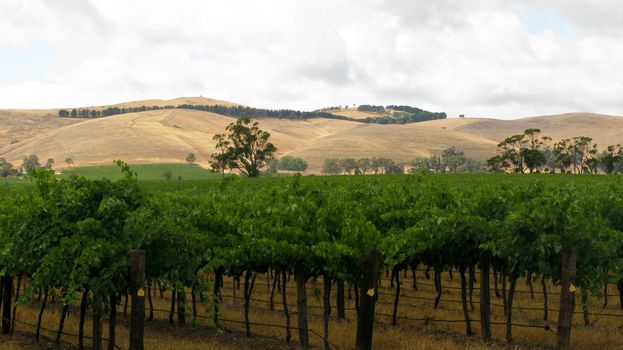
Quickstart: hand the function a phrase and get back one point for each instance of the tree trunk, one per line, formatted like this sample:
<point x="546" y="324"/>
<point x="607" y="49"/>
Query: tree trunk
<point x="530" y="285"/>
<point x="437" y="286"/>
<point x="40" y="316"/>
<point x="161" y="290"/>
<point x="193" y="297"/>
<point x="112" y="322"/>
<point x="301" y="303"/>
<point x="61" y="324"/>
<point x="248" y="289"/>
<point x="218" y="299"/>
<point x="468" y="324"/>
<point x="172" y="310"/>
<point x="545" y="308"/>
<point x="587" y="321"/>
<point x="233" y="288"/>
<point x="413" y="272"/>
<point x="356" y="292"/>
<point x="509" y="308"/>
<point x="327" y="310"/>
<point x="396" y="297"/>
<point x="485" y="301"/>
<point x="285" y="306"/>
<point x="606" y="289"/>
<point x="339" y="296"/>
<point x="18" y="287"/>
<point x="472" y="278"/>
<point x="151" y="303"/>
<point x="504" y="299"/>
<point x="567" y="300"/>
<point x="271" y="302"/>
<point x="181" y="308"/>
<point x="620" y="286"/>
<point x="83" y="314"/>
<point x="125" y="305"/>
<point x="495" y="283"/>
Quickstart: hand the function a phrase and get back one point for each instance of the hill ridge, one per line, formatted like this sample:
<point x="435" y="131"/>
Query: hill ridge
<point x="169" y="135"/>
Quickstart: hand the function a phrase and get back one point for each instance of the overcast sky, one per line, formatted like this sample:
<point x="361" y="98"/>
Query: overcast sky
<point x="488" y="58"/>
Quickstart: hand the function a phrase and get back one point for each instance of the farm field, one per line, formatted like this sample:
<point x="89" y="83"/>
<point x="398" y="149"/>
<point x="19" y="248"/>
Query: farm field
<point x="146" y="172"/>
<point x="206" y="235"/>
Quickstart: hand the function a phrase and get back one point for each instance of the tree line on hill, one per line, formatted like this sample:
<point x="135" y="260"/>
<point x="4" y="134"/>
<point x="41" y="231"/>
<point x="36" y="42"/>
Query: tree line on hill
<point x="394" y="114"/>
<point x="106" y="112"/>
<point x="406" y="115"/>
<point x="533" y="153"/>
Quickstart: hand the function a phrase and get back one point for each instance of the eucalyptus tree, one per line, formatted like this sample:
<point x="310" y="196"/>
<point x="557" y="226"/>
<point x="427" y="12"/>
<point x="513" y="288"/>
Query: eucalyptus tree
<point x="246" y="149"/>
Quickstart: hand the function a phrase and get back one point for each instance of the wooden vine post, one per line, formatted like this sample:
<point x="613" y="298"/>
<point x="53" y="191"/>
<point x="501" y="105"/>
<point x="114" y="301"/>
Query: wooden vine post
<point x="301" y="305"/>
<point x="369" y="295"/>
<point x="7" y="296"/>
<point x="485" y="301"/>
<point x="137" y="289"/>
<point x="567" y="299"/>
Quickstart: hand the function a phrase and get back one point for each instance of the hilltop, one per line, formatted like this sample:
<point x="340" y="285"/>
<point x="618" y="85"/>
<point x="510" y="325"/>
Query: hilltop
<point x="165" y="136"/>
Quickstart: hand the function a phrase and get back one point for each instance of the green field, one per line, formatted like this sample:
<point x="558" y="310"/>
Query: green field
<point x="146" y="172"/>
<point x="11" y="181"/>
<point x="151" y="174"/>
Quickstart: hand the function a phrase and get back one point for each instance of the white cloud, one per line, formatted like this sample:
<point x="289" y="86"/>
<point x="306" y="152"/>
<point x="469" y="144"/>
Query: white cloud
<point x="477" y="57"/>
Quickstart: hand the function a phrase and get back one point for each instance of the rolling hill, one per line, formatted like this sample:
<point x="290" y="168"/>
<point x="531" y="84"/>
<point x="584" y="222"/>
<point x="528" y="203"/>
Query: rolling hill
<point x="20" y="124"/>
<point x="166" y="136"/>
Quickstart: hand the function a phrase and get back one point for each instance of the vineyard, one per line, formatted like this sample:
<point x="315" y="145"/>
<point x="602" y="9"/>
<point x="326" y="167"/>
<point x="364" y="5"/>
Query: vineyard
<point x="331" y="262"/>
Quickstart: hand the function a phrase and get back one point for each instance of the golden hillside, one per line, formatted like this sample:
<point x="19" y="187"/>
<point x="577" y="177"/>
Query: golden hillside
<point x="169" y="135"/>
<point x="21" y="124"/>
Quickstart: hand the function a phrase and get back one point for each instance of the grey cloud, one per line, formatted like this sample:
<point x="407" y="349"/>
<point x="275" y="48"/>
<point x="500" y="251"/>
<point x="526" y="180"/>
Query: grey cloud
<point x="452" y="55"/>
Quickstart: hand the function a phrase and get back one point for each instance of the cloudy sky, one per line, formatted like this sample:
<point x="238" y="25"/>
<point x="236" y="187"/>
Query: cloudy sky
<point x="492" y="58"/>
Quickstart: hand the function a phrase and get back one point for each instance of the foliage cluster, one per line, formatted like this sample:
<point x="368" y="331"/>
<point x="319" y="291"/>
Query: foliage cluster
<point x="531" y="152"/>
<point x="363" y="166"/>
<point x="450" y="161"/>
<point x="288" y="163"/>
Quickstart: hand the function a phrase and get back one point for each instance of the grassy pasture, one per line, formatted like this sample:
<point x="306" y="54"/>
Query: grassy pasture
<point x="146" y="172"/>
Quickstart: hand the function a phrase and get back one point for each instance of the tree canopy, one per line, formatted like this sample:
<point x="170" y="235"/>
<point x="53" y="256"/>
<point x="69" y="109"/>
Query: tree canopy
<point x="246" y="148"/>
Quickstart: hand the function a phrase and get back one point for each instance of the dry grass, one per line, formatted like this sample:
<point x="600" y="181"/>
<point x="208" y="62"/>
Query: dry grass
<point x="22" y="124"/>
<point x="604" y="332"/>
<point x="169" y="135"/>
